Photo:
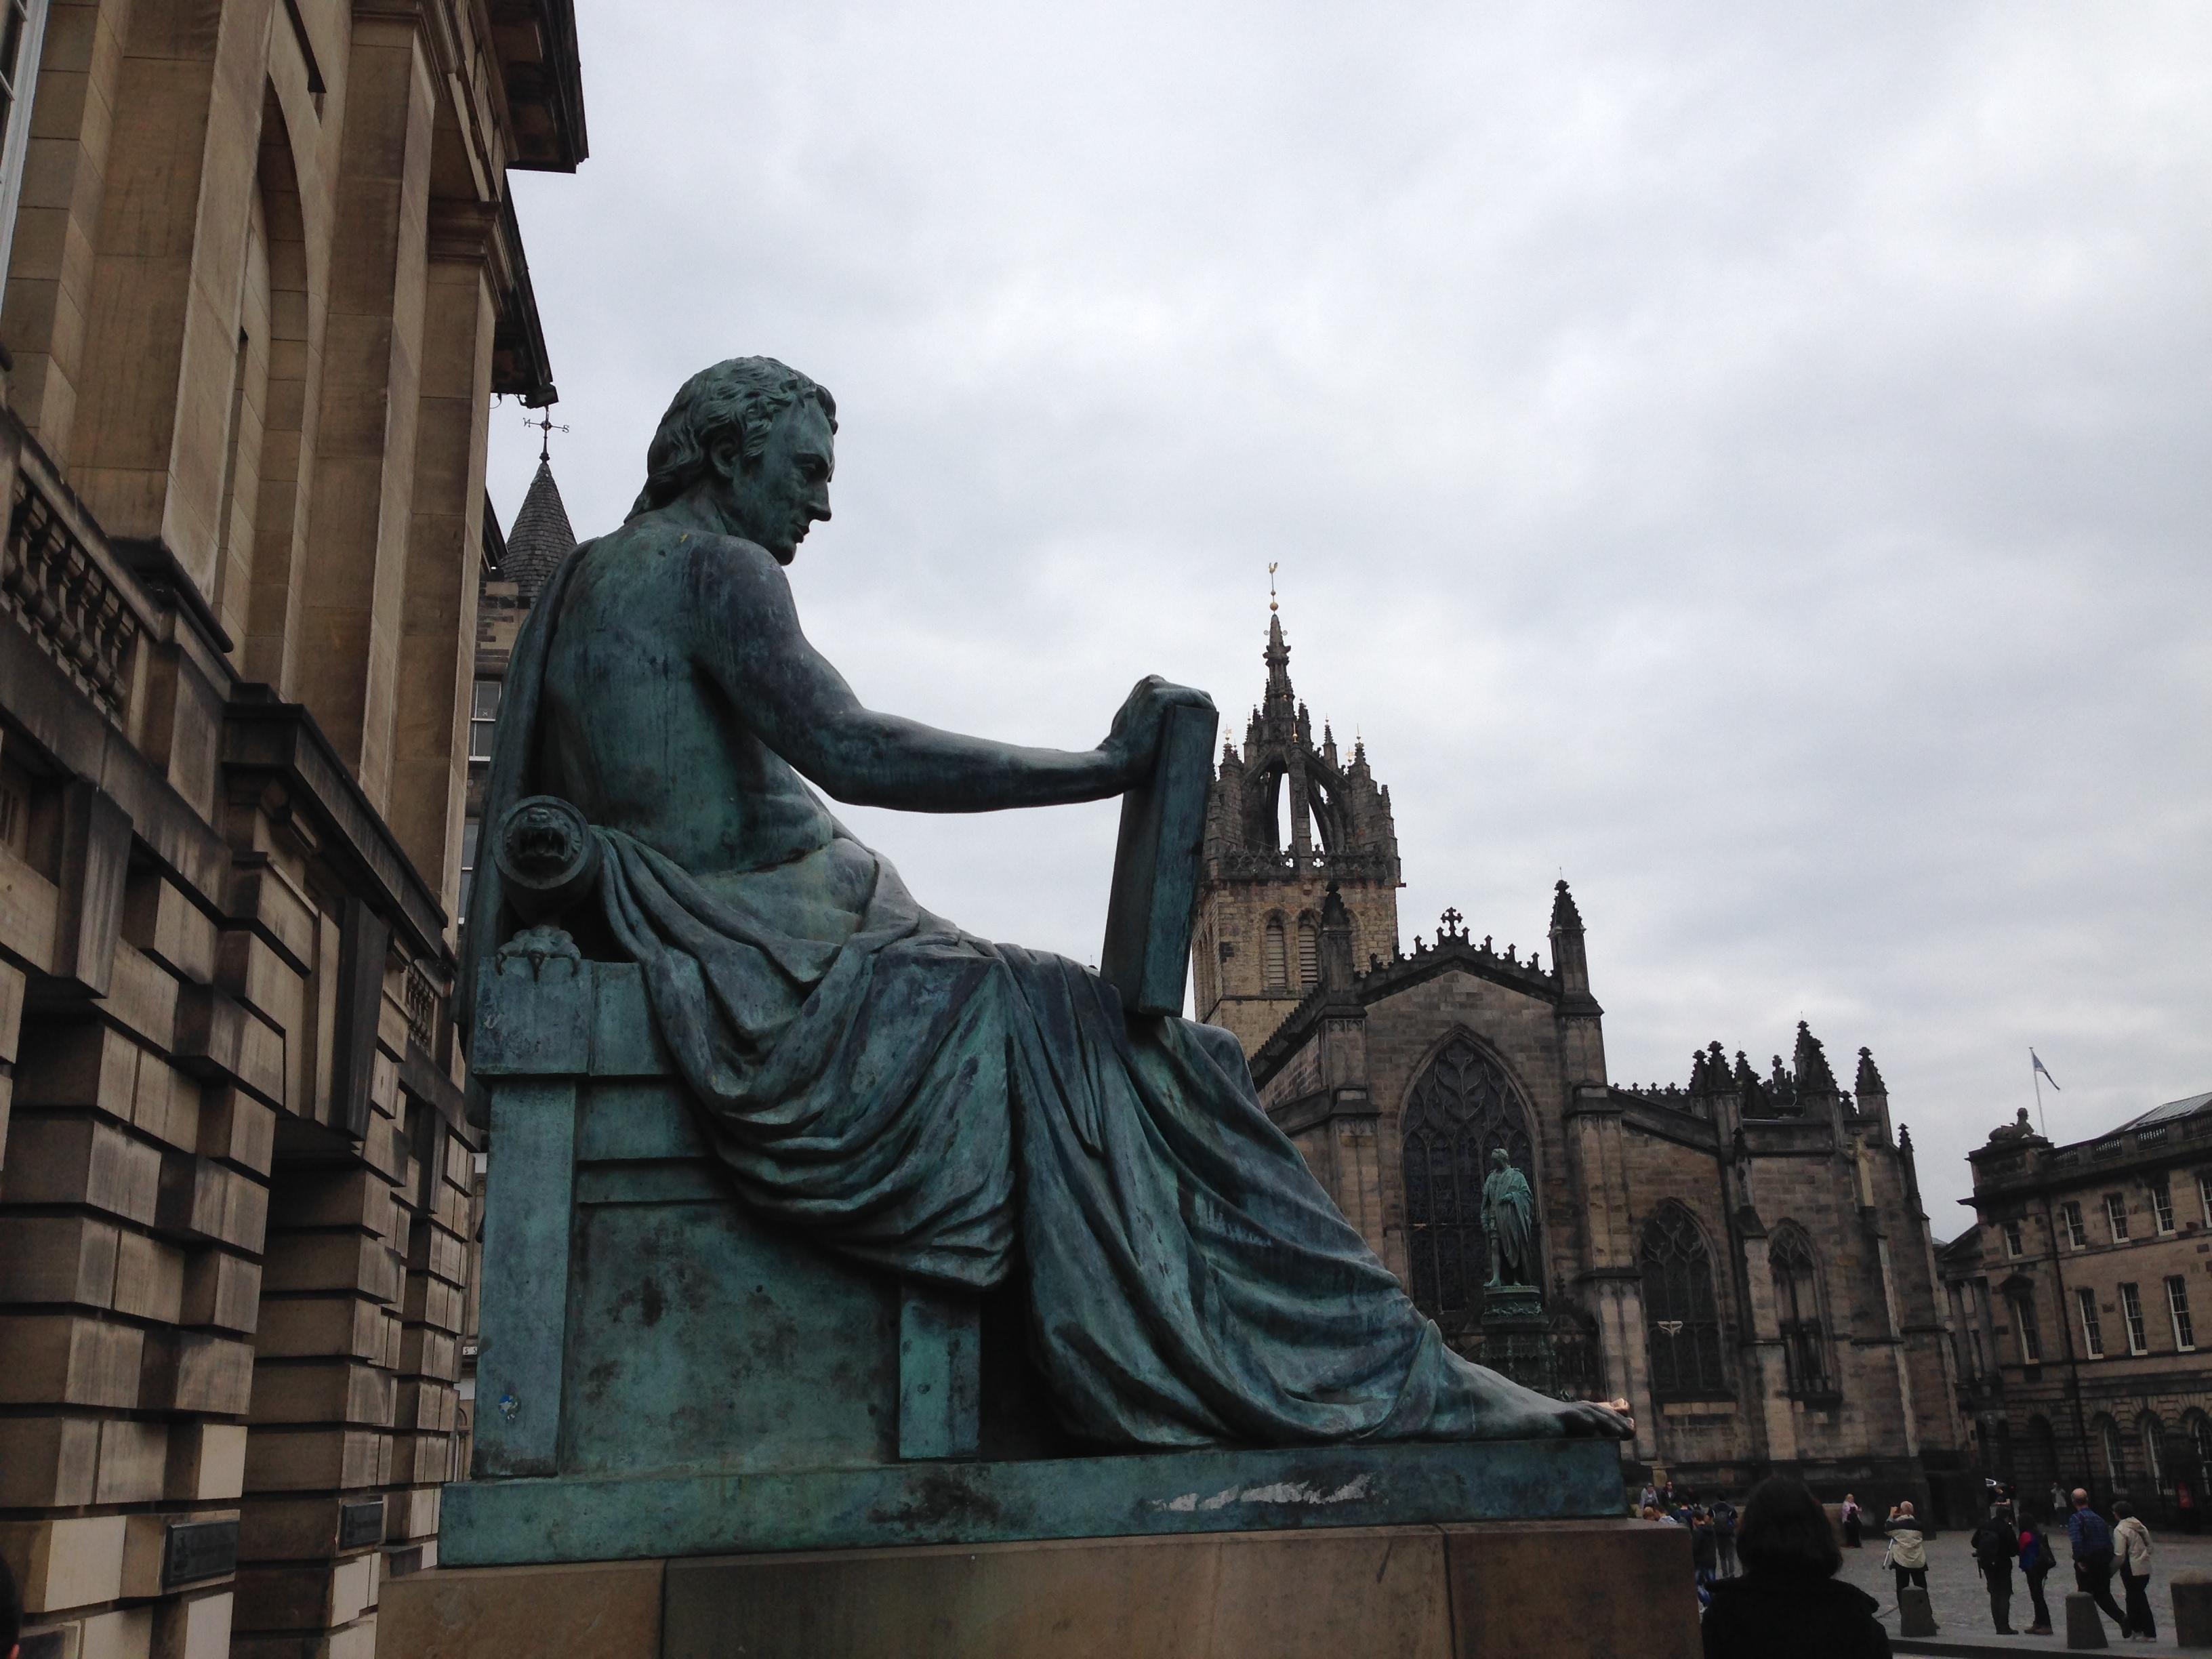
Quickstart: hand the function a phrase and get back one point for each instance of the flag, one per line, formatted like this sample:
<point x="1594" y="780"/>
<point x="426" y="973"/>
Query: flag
<point x="2041" y="1068"/>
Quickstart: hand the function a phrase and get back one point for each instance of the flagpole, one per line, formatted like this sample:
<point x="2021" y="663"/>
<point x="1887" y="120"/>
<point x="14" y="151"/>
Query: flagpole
<point x="2035" y="1075"/>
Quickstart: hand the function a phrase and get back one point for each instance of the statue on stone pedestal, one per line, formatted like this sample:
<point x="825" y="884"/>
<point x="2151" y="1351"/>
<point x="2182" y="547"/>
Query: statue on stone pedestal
<point x="901" y="1091"/>
<point x="1509" y="1224"/>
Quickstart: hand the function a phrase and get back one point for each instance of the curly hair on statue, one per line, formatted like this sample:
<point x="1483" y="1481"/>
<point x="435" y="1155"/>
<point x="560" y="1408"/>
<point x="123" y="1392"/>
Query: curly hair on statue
<point x="743" y="395"/>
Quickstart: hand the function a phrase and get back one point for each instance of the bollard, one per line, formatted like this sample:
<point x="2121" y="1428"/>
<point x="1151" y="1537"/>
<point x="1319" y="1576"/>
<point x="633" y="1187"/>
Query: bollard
<point x="2192" y="1609"/>
<point x="1914" y="1616"/>
<point x="2084" y="1628"/>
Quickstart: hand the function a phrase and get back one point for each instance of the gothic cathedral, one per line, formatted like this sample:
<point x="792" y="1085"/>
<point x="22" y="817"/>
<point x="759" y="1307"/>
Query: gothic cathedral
<point x="1743" y="1257"/>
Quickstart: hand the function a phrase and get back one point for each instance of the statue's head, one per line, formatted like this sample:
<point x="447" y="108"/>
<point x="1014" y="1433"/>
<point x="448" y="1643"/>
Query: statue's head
<point x="760" y="439"/>
<point x="1497" y="1157"/>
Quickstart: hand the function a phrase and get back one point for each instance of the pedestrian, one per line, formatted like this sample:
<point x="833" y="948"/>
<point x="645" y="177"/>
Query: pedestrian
<point x="2035" y="1566"/>
<point x="1852" y="1520"/>
<point x="1667" y="1501"/>
<point x="1725" y="1520"/>
<point x="1649" y="1500"/>
<point x="2184" y="1500"/>
<point x="1704" y="1548"/>
<point x="1907" y="1555"/>
<point x="2092" y="1542"/>
<point x="1789" y="1599"/>
<point x="2132" y="1547"/>
<point x="1996" y="1545"/>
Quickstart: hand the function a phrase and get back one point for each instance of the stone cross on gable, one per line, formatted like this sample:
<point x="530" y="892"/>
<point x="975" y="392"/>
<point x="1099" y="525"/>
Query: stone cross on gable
<point x="1451" y="920"/>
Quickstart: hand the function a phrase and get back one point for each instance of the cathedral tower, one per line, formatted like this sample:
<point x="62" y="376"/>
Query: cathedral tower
<point x="1285" y="822"/>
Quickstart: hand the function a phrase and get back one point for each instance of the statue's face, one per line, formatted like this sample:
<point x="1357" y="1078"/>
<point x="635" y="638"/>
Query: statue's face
<point x="775" y="500"/>
<point x="1497" y="1158"/>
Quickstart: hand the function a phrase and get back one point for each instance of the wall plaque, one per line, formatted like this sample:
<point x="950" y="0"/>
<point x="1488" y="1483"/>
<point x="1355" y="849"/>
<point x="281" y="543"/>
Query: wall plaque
<point x="361" y="1524"/>
<point x="199" y="1549"/>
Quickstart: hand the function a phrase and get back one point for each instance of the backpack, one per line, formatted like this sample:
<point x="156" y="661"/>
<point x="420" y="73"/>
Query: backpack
<point x="2034" y="1561"/>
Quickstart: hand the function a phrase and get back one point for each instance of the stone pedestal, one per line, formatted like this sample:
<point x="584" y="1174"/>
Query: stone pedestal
<point x="1429" y="1592"/>
<point x="2192" y="1609"/>
<point x="1914" y="1616"/>
<point x="2085" y="1626"/>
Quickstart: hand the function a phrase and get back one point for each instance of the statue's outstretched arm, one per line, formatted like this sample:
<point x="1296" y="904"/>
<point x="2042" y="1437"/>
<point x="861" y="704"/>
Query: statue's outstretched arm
<point x="749" y="641"/>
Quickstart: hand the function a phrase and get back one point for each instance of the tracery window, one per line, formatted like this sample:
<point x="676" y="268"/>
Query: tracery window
<point x="1797" y="1300"/>
<point x="1682" y="1318"/>
<point x="1462" y="1107"/>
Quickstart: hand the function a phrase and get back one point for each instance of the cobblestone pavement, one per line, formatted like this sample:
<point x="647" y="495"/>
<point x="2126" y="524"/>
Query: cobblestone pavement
<point x="1961" y="1603"/>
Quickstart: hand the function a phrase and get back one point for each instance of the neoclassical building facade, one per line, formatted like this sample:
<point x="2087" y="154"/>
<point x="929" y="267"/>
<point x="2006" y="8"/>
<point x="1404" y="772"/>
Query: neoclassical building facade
<point x="263" y="280"/>
<point x="1743" y="1256"/>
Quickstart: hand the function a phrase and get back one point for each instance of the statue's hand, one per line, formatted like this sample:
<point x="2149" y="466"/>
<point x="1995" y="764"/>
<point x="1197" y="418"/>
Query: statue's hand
<point x="1135" y="739"/>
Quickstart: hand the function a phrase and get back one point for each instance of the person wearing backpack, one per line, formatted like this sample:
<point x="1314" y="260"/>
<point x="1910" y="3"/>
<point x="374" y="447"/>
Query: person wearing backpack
<point x="2035" y="1567"/>
<point x="1724" y="1535"/>
<point x="1995" y="1546"/>
<point x="2131" y="1548"/>
<point x="2093" y="1557"/>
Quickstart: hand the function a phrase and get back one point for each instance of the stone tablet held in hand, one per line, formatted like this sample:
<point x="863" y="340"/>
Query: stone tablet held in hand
<point x="1148" y="915"/>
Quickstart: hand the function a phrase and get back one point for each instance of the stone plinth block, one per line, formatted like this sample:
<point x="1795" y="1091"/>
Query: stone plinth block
<point x="1410" y="1592"/>
<point x="503" y="1522"/>
<point x="1914" y="1616"/>
<point x="2084" y="1627"/>
<point x="2192" y="1610"/>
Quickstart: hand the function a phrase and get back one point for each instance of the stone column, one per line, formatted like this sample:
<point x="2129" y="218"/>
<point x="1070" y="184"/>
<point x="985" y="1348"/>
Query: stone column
<point x="49" y="294"/>
<point x="429" y="770"/>
<point x="1775" y="1419"/>
<point x="152" y="424"/>
<point x="359" y="516"/>
<point x="1609" y="1272"/>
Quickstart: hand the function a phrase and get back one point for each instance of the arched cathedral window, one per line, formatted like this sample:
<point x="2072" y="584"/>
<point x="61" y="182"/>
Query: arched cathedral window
<point x="1797" y="1301"/>
<point x="1309" y="951"/>
<point x="1275" y="961"/>
<point x="1681" y="1319"/>
<point x="1462" y="1109"/>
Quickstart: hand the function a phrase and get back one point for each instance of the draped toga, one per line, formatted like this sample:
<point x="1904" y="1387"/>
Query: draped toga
<point x="937" y="1105"/>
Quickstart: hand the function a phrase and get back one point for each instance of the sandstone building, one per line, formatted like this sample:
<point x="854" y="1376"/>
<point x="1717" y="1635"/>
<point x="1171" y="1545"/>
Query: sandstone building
<point x="263" y="282"/>
<point x="1743" y="1257"/>
<point x="2078" y="1294"/>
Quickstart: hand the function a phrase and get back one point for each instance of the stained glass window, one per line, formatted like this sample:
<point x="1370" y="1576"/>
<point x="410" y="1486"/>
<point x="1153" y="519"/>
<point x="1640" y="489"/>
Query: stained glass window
<point x="1797" y="1299"/>
<point x="1682" y="1324"/>
<point x="1463" y="1108"/>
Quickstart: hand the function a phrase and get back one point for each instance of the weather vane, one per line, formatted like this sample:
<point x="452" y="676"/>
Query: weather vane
<point x="1271" y="584"/>
<point x="546" y="430"/>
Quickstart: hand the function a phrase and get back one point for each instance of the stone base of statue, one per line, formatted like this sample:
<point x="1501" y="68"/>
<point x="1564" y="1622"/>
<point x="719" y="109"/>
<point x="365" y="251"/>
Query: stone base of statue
<point x="665" y="1382"/>
<point x="1546" y="1590"/>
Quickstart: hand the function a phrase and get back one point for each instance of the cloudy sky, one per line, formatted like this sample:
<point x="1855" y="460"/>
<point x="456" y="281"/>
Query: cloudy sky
<point x="1756" y="459"/>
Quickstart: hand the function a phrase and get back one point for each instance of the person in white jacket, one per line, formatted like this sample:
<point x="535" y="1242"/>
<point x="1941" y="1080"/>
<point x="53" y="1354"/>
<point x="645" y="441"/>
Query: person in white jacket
<point x="2131" y="1550"/>
<point x="1907" y="1555"/>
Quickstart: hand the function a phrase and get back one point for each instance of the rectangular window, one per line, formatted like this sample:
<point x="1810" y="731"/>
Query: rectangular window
<point x="483" y="710"/>
<point x="2204" y="1197"/>
<point x="2161" y="1206"/>
<point x="2093" y="1334"/>
<point x="2012" y="1238"/>
<point x="2116" y="1216"/>
<point x="2177" y="1304"/>
<point x="2131" y="1311"/>
<point x="2023" y="1323"/>
<point x="22" y="27"/>
<point x="470" y="832"/>
<point x="2077" y="1234"/>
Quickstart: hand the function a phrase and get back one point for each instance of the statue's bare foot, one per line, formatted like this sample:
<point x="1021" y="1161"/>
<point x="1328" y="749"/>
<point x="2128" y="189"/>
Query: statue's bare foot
<point x="1503" y="1410"/>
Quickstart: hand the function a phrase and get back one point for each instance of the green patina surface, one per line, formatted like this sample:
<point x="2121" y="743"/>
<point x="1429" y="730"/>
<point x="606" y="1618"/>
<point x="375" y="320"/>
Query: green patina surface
<point x="509" y="1523"/>
<point x="810" y="1216"/>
